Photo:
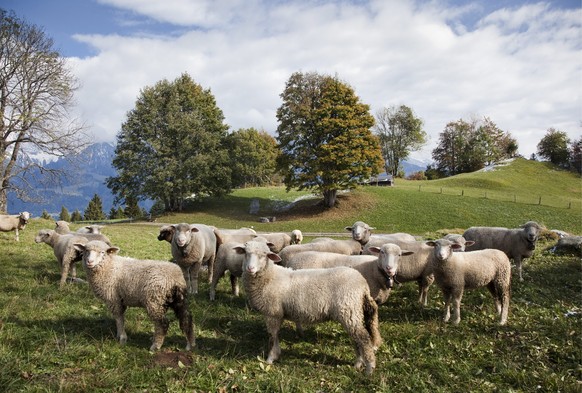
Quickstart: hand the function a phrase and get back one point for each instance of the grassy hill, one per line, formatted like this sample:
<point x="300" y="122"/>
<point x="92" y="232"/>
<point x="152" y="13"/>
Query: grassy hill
<point x="506" y="196"/>
<point x="63" y="340"/>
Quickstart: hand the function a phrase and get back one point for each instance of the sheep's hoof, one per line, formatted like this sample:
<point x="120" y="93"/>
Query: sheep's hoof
<point x="359" y="363"/>
<point x="370" y="369"/>
<point x="154" y="348"/>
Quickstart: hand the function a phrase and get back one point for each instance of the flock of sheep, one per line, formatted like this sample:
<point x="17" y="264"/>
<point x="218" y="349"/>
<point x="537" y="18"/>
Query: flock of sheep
<point x="343" y="280"/>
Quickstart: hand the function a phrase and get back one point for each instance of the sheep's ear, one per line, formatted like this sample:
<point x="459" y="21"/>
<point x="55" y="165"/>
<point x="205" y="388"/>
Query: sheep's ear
<point x="270" y="245"/>
<point x="405" y="252"/>
<point x="240" y="249"/>
<point x="371" y="228"/>
<point x="79" y="247"/>
<point x="469" y="243"/>
<point x="374" y="249"/>
<point x="431" y="243"/>
<point x="274" y="257"/>
<point x="456" y="246"/>
<point x="194" y="229"/>
<point x="349" y="229"/>
<point x="112" y="250"/>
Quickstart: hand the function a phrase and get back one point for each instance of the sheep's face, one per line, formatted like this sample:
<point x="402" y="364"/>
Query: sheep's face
<point x="183" y="234"/>
<point x="42" y="236"/>
<point x="256" y="256"/>
<point x="531" y="232"/>
<point x="360" y="231"/>
<point x="389" y="258"/>
<point x="24" y="217"/>
<point x="94" y="253"/>
<point x="443" y="248"/>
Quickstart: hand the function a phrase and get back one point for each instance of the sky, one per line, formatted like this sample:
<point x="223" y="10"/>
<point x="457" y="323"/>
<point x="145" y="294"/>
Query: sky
<point x="518" y="62"/>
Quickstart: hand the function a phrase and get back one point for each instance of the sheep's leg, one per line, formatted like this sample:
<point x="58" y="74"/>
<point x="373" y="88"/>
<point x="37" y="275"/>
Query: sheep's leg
<point x="456" y="300"/>
<point x="194" y="271"/>
<point x="220" y="269"/>
<point x="492" y="287"/>
<point x="364" y="349"/>
<point x="273" y="326"/>
<point x="186" y="324"/>
<point x="211" y="268"/>
<point x="16" y="237"/>
<point x="234" y="284"/>
<point x="188" y="277"/>
<point x="160" y="330"/>
<point x="504" y="294"/>
<point x="118" y="312"/>
<point x="447" y="295"/>
<point x="64" y="273"/>
<point x="423" y="285"/>
<point x="517" y="261"/>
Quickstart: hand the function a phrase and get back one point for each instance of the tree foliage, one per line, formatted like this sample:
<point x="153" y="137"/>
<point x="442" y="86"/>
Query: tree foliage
<point x="554" y="147"/>
<point x="253" y="156"/>
<point x="576" y="155"/>
<point x="64" y="215"/>
<point x="94" y="210"/>
<point x="76" y="216"/>
<point x="36" y="94"/>
<point x="469" y="146"/>
<point x="172" y="146"/>
<point x="400" y="133"/>
<point x="324" y="136"/>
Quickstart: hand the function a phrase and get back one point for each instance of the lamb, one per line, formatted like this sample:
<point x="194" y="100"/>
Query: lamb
<point x="456" y="271"/>
<point x="90" y="232"/>
<point x="193" y="245"/>
<point x="126" y="282"/>
<point x="296" y="236"/>
<point x="14" y="223"/>
<point x="459" y="239"/>
<point x="64" y="251"/>
<point x="516" y="243"/>
<point x="362" y="233"/>
<point x="279" y="240"/>
<point x="380" y="272"/>
<point x="340" y="294"/>
<point x="346" y="247"/>
<point x="228" y="259"/>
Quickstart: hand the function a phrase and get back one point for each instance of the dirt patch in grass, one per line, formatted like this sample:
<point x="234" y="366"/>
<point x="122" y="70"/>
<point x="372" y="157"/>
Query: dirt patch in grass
<point x="346" y="204"/>
<point x="172" y="359"/>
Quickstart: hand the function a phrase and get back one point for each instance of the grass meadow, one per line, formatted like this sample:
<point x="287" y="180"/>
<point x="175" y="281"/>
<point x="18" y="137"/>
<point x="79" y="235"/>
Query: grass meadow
<point x="63" y="340"/>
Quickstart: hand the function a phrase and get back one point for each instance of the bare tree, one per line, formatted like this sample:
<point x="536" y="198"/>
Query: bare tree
<point x="36" y="94"/>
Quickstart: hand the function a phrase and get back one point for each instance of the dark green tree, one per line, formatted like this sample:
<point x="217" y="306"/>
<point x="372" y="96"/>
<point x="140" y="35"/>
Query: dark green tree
<point x="554" y="147"/>
<point x="132" y="209"/>
<point x="94" y="210"/>
<point x="76" y="216"/>
<point x="400" y="133"/>
<point x="253" y="157"/>
<point x="45" y="215"/>
<point x="324" y="136"/>
<point x="65" y="216"/>
<point x="576" y="155"/>
<point x="172" y="146"/>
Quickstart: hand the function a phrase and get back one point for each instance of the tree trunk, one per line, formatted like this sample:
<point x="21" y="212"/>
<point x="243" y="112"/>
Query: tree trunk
<point x="329" y="198"/>
<point x="3" y="201"/>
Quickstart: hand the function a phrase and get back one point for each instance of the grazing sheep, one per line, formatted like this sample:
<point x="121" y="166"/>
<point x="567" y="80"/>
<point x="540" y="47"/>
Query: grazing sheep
<point x="228" y="259"/>
<point x="380" y="272"/>
<point x="193" y="245"/>
<point x="516" y="243"/>
<point x="14" y="223"/>
<point x="240" y="235"/>
<point x="126" y="282"/>
<point x="296" y="236"/>
<point x="362" y="233"/>
<point x="90" y="232"/>
<point x="346" y="247"/>
<point x="460" y="240"/>
<point x="456" y="271"/>
<point x="325" y="260"/>
<point x="279" y="240"/>
<point x="340" y="294"/>
<point x="64" y="250"/>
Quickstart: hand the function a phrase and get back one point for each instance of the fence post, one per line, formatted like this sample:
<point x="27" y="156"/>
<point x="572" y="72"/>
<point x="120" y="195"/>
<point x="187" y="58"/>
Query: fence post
<point x="462" y="192"/>
<point x="540" y="201"/>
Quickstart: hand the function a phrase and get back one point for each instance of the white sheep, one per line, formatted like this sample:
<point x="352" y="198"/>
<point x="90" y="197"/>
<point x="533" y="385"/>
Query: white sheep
<point x="325" y="260"/>
<point x="279" y="240"/>
<point x="90" y="232"/>
<point x="362" y="233"/>
<point x="346" y="247"/>
<point x="64" y="250"/>
<point x="240" y="235"/>
<point x="516" y="243"/>
<point x="380" y="272"/>
<point x="192" y="245"/>
<point x="460" y="240"/>
<point x="456" y="271"/>
<point x="227" y="259"/>
<point x="296" y="236"/>
<point x="126" y="282"/>
<point x="340" y="294"/>
<point x="14" y="223"/>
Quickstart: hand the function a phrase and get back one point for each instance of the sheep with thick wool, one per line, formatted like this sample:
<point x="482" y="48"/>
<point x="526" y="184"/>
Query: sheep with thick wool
<point x="122" y="282"/>
<point x="516" y="243"/>
<point x="64" y="250"/>
<point x="362" y="233"/>
<point x="455" y="272"/>
<point x="14" y="223"/>
<point x="346" y="247"/>
<point x="307" y="296"/>
<point x="460" y="240"/>
<point x="90" y="232"/>
<point x="325" y="260"/>
<point x="192" y="245"/>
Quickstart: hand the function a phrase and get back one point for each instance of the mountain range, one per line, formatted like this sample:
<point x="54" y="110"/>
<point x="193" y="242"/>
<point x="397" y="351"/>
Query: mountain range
<point x="87" y="179"/>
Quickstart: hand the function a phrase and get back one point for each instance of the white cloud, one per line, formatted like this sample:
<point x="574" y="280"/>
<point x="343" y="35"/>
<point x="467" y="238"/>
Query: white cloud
<point x="521" y="67"/>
